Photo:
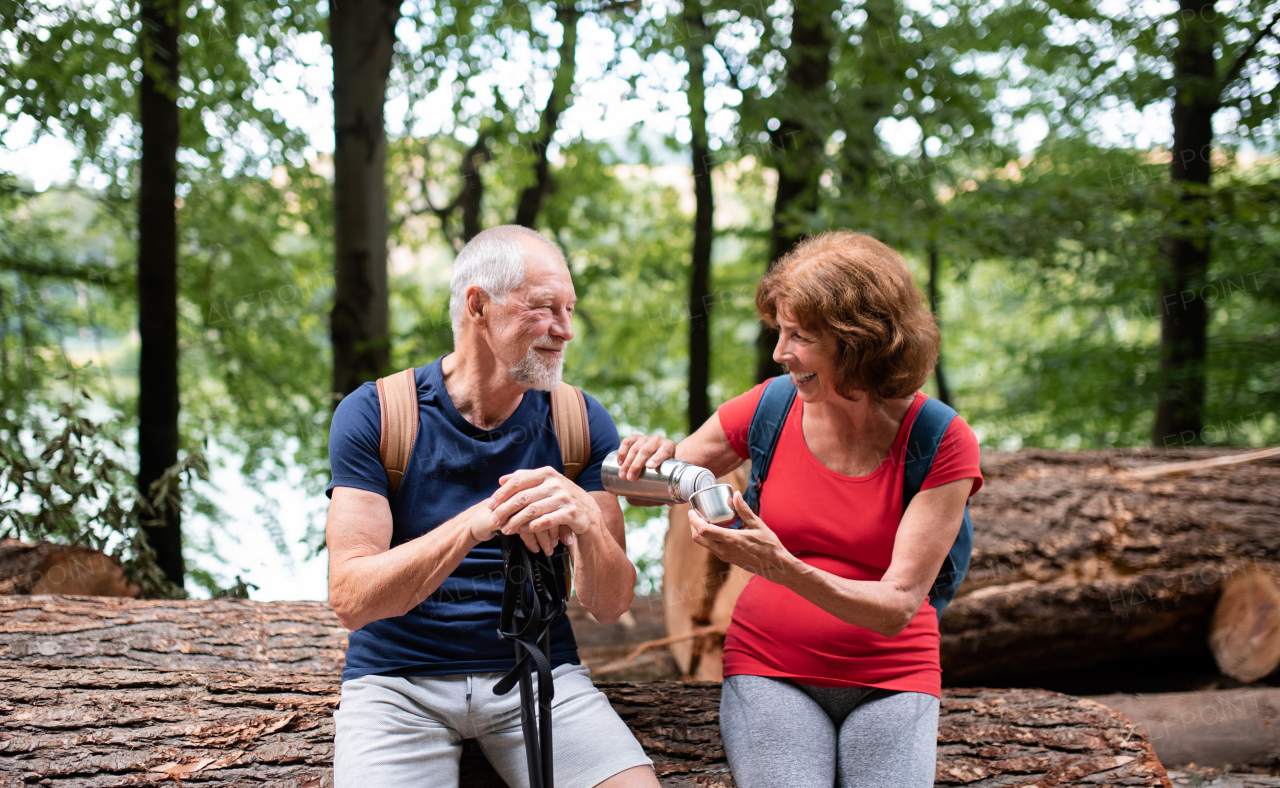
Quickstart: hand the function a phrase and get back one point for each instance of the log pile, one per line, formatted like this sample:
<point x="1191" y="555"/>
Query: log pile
<point x="1080" y="558"/>
<point x="72" y="726"/>
<point x="232" y="692"/>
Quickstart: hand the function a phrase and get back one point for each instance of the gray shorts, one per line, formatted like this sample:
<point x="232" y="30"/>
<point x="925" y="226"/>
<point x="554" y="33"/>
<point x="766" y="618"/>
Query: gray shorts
<point x="407" y="731"/>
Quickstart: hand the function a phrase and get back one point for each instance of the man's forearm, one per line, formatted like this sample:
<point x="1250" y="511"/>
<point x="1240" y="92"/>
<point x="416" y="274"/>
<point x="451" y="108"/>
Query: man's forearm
<point x="367" y="588"/>
<point x="603" y="575"/>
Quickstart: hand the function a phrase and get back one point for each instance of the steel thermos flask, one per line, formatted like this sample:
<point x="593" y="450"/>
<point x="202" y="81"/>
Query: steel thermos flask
<point x="672" y="482"/>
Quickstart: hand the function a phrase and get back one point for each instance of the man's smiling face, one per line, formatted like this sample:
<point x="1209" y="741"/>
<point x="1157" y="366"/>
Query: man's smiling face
<point x="530" y="331"/>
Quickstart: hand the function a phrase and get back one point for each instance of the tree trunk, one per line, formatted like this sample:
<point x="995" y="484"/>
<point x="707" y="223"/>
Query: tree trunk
<point x="362" y="33"/>
<point x="797" y="146"/>
<point x="530" y="203"/>
<point x="1184" y="314"/>
<point x="113" y="726"/>
<point x="471" y="198"/>
<point x="944" y="393"/>
<point x="699" y="409"/>
<point x="1077" y="562"/>
<point x="158" y="270"/>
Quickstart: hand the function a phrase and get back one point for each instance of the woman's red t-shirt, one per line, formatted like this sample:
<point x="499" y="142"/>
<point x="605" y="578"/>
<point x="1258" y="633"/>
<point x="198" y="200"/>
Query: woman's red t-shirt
<point x="844" y="525"/>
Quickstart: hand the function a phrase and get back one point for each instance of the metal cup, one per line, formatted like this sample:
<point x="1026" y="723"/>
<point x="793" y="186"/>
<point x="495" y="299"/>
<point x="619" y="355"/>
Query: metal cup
<point x="715" y="504"/>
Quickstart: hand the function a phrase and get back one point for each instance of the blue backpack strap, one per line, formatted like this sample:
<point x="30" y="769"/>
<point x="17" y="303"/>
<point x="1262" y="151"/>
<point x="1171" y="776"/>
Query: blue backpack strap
<point x="922" y="444"/>
<point x="766" y="427"/>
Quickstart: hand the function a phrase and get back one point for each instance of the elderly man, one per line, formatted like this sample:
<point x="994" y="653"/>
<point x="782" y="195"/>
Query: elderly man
<point x="418" y="578"/>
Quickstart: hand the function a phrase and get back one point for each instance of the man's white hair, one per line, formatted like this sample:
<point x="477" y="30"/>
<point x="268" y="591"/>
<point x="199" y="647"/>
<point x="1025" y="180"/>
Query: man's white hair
<point x="494" y="261"/>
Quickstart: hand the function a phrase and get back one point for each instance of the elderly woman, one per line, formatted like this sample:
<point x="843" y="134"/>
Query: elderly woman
<point x="831" y="659"/>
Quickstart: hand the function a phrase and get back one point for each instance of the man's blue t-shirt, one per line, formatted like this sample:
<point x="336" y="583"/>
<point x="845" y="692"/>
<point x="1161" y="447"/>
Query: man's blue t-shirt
<point x="454" y="465"/>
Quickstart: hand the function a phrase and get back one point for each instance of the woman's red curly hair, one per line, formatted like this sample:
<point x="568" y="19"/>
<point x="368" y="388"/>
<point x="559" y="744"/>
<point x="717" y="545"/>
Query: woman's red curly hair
<point x="858" y="289"/>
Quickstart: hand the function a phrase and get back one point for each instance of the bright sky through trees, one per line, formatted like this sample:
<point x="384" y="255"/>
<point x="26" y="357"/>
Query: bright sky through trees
<point x="603" y="108"/>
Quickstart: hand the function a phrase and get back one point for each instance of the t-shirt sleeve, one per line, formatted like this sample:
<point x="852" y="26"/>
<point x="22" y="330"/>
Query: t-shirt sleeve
<point x="604" y="440"/>
<point x="735" y="419"/>
<point x="957" y="458"/>
<point x="354" y="436"/>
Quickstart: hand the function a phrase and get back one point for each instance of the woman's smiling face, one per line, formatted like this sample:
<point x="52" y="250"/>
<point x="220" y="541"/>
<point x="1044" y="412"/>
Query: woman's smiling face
<point x="810" y="357"/>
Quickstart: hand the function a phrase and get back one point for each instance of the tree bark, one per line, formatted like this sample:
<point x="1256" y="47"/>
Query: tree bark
<point x="362" y="35"/>
<point x="471" y="198"/>
<point x="240" y="634"/>
<point x="530" y="204"/>
<point x="113" y="726"/>
<point x="1184" y="313"/>
<point x="944" y="393"/>
<point x="700" y="302"/>
<point x="1076" y="563"/>
<point x="158" y="270"/>
<point x="184" y="635"/>
<point x="797" y="146"/>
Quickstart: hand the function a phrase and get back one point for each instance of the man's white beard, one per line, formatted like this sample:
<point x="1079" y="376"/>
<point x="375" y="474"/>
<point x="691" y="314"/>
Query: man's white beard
<point x="537" y="372"/>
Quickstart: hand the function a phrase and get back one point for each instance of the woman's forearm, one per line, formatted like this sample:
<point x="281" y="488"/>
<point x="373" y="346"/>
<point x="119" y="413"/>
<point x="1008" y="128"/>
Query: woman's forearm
<point x="875" y="604"/>
<point x="709" y="448"/>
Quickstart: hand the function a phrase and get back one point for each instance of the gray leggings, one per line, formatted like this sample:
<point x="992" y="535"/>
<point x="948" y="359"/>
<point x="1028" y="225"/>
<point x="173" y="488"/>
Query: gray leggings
<point x="778" y="733"/>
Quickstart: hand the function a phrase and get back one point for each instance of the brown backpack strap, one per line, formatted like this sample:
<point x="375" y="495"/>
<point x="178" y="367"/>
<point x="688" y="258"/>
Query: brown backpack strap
<point x="398" y="402"/>
<point x="569" y="415"/>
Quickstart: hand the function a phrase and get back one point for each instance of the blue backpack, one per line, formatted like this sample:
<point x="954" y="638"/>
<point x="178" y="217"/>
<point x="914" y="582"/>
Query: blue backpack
<point x="922" y="444"/>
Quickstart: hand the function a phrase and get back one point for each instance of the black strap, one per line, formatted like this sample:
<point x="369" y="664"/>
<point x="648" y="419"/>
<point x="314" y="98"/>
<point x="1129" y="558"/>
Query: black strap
<point x="531" y="600"/>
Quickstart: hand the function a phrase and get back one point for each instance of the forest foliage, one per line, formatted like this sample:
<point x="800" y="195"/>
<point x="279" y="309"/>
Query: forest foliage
<point x="1038" y="227"/>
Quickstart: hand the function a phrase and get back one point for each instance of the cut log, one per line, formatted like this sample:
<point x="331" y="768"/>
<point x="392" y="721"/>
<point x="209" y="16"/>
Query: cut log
<point x="231" y="634"/>
<point x="698" y="592"/>
<point x="72" y="726"/>
<point x="1245" y="635"/>
<point x="1082" y="559"/>
<point x="193" y="634"/>
<point x="142" y="726"/>
<point x="1213" y="728"/>
<point x="48" y="568"/>
<point x="1033" y="737"/>
<point x="1076" y="565"/>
